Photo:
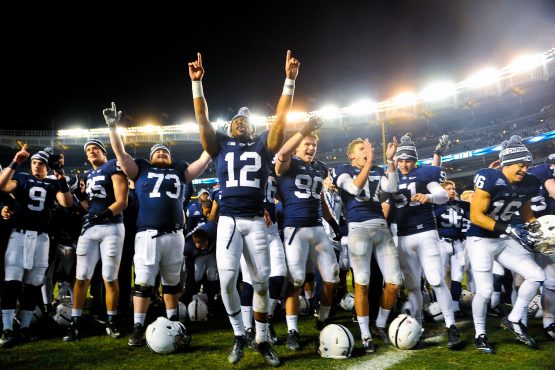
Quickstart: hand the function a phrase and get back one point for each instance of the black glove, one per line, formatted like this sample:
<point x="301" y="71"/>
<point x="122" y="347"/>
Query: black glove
<point x="336" y="230"/>
<point x="95" y="219"/>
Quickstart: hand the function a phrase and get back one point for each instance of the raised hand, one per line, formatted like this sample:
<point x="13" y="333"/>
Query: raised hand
<point x="22" y="155"/>
<point x="196" y="71"/>
<point x="112" y="116"/>
<point x="291" y="66"/>
<point x="443" y="145"/>
<point x="369" y="151"/>
<point x="391" y="149"/>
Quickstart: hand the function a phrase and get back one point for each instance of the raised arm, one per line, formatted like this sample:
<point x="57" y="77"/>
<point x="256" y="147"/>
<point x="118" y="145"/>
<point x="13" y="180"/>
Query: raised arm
<point x="362" y="177"/>
<point x="441" y="148"/>
<point x="283" y="161"/>
<point x="6" y="184"/>
<point x="391" y="184"/>
<point x="208" y="137"/>
<point x="64" y="196"/>
<point x="276" y="135"/>
<point x="197" y="167"/>
<point x="126" y="162"/>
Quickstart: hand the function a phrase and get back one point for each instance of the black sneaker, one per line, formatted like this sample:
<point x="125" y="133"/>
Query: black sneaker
<point x="174" y="318"/>
<point x="453" y="338"/>
<point x="72" y="333"/>
<point x="27" y="335"/>
<point x="272" y="336"/>
<point x="249" y="337"/>
<point x="322" y="324"/>
<point x="293" y="340"/>
<point x="520" y="330"/>
<point x="549" y="332"/>
<point x="237" y="350"/>
<point x="368" y="345"/>
<point x="270" y="356"/>
<point x="8" y="339"/>
<point x="382" y="333"/>
<point x="136" y="339"/>
<point x="111" y="328"/>
<point x="482" y="344"/>
<point x="495" y="312"/>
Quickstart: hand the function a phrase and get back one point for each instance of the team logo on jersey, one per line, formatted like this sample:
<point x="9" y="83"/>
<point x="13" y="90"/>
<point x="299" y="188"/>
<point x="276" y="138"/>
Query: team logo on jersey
<point x="500" y="182"/>
<point x="412" y="177"/>
<point x="418" y="227"/>
<point x="232" y="143"/>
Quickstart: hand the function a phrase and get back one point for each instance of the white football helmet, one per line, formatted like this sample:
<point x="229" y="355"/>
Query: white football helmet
<point x="546" y="239"/>
<point x="466" y="298"/>
<point x="304" y="306"/>
<point x="181" y="311"/>
<point x="336" y="341"/>
<point x="198" y="311"/>
<point x="405" y="332"/>
<point x="535" y="307"/>
<point x="202" y="296"/>
<point x="63" y="314"/>
<point x="434" y="311"/>
<point x="347" y="302"/>
<point x="164" y="336"/>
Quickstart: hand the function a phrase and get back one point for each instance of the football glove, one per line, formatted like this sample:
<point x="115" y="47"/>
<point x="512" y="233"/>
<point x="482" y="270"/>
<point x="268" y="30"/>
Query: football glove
<point x="112" y="116"/>
<point x="443" y="145"/>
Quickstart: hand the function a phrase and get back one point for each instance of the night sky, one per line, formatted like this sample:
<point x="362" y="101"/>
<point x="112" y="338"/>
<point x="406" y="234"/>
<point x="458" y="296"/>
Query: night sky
<point x="62" y="66"/>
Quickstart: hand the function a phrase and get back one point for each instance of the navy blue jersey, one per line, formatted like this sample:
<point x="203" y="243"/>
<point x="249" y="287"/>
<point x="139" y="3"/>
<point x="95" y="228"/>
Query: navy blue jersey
<point x="216" y="194"/>
<point x="100" y="189"/>
<point x="543" y="204"/>
<point x="366" y="205"/>
<point x="160" y="192"/>
<point x="466" y="220"/>
<point x="242" y="171"/>
<point x="413" y="217"/>
<point x="450" y="218"/>
<point x="211" y="229"/>
<point x="300" y="189"/>
<point x="506" y="198"/>
<point x="271" y="191"/>
<point x="195" y="216"/>
<point x="34" y="200"/>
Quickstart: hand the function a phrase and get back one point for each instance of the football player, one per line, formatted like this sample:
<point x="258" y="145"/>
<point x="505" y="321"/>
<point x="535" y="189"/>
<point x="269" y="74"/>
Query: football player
<point x="419" y="189"/>
<point x="242" y="170"/>
<point x="102" y="235"/>
<point x="498" y="194"/>
<point x="159" y="241"/>
<point x="26" y="257"/>
<point x="361" y="184"/>
<point x="300" y="182"/>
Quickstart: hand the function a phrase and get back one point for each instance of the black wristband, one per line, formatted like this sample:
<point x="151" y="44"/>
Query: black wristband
<point x="438" y="152"/>
<point x="500" y="227"/>
<point x="64" y="188"/>
<point x="105" y="214"/>
<point x="13" y="165"/>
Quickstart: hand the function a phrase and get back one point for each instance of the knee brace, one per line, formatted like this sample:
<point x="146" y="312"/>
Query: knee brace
<point x="171" y="289"/>
<point x="247" y="293"/>
<point x="143" y="291"/>
<point x="276" y="283"/>
<point x="12" y="289"/>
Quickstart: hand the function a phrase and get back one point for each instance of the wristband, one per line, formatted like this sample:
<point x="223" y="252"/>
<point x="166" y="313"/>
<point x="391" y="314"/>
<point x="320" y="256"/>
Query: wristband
<point x="64" y="188"/>
<point x="288" y="87"/>
<point x="197" y="89"/>
<point x="13" y="165"/>
<point x="501" y="227"/>
<point x="390" y="161"/>
<point x="438" y="152"/>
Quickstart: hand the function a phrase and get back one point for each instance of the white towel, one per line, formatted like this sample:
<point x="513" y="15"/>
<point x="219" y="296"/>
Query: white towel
<point x="29" y="249"/>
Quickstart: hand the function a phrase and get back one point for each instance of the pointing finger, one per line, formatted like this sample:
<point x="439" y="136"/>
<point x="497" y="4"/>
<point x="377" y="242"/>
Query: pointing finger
<point x="199" y="59"/>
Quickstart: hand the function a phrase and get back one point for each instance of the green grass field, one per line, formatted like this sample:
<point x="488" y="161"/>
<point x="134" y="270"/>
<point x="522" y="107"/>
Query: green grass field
<point x="212" y="340"/>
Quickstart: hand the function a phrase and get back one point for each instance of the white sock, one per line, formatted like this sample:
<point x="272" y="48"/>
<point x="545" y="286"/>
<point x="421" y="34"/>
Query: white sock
<point x="139" y="318"/>
<point x="237" y="325"/>
<point x="363" y="323"/>
<point x="246" y="313"/>
<point x="111" y="313"/>
<point x="324" y="312"/>
<point x="292" y="322"/>
<point x="261" y="331"/>
<point x="381" y="320"/>
<point x="7" y="319"/>
<point x="308" y="294"/>
<point x="26" y="317"/>
<point x="76" y="312"/>
<point x="272" y="306"/>
<point x="456" y="306"/>
<point x="170" y="312"/>
<point x="495" y="299"/>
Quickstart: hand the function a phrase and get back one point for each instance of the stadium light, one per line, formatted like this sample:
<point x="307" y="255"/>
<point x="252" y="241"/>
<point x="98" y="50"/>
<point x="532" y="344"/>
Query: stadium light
<point x="75" y="132"/>
<point x="150" y="128"/>
<point x="403" y="99"/>
<point x="297" y="116"/>
<point x="329" y="112"/>
<point x="361" y="108"/>
<point x="437" y="91"/>
<point x="258" y="120"/>
<point x="527" y="62"/>
<point x="484" y="77"/>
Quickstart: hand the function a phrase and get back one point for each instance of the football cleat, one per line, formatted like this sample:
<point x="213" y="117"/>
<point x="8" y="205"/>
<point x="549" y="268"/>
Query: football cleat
<point x="8" y="339"/>
<point x="249" y="337"/>
<point x="482" y="344"/>
<point x="322" y="324"/>
<point x="382" y="333"/>
<point x="272" y="336"/>
<point x="520" y="330"/>
<point x="237" y="350"/>
<point x="550" y="331"/>
<point x="270" y="356"/>
<point x="495" y="312"/>
<point x="293" y="340"/>
<point x="453" y="338"/>
<point x="368" y="345"/>
<point x="137" y="337"/>
<point x="72" y="333"/>
<point x="27" y="335"/>
<point x="111" y="328"/>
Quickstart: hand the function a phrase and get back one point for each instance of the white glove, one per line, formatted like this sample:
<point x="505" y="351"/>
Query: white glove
<point x="443" y="145"/>
<point x="112" y="116"/>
